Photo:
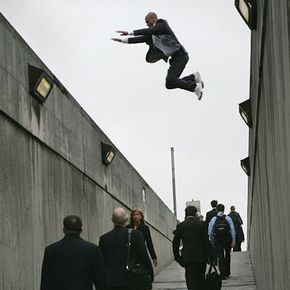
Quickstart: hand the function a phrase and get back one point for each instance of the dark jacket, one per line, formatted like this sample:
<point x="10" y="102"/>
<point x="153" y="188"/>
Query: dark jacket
<point x="209" y="215"/>
<point x="196" y="246"/>
<point x="73" y="264"/>
<point x="161" y="40"/>
<point x="144" y="229"/>
<point x="114" y="249"/>
<point x="237" y="220"/>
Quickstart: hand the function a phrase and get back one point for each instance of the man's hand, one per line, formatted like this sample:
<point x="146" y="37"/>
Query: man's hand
<point x="122" y="32"/>
<point x="155" y="262"/>
<point x="117" y="39"/>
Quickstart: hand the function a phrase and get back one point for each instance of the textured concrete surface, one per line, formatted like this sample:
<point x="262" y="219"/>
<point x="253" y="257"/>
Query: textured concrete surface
<point x="269" y="147"/>
<point x="242" y="277"/>
<point x="50" y="166"/>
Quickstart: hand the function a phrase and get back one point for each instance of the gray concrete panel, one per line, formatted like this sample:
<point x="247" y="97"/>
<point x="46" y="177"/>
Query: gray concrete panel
<point x="269" y="187"/>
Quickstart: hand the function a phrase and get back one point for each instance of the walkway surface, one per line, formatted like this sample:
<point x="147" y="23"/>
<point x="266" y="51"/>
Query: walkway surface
<point x="242" y="278"/>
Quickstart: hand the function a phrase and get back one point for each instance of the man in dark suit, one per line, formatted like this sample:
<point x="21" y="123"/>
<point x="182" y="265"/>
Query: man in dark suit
<point x="114" y="249"/>
<point x="163" y="44"/>
<point x="196" y="250"/>
<point x="237" y="220"/>
<point x="210" y="214"/>
<point x="73" y="263"/>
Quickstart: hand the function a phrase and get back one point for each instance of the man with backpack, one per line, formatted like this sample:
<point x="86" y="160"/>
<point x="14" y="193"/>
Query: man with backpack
<point x="222" y="234"/>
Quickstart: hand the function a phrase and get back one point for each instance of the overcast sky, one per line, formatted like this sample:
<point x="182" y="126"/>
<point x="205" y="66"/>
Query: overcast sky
<point x="127" y="98"/>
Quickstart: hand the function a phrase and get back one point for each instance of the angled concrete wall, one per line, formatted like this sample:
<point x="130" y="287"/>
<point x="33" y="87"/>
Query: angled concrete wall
<point x="50" y="166"/>
<point x="269" y="150"/>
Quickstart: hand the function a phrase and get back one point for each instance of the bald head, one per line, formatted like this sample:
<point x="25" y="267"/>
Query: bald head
<point x="119" y="217"/>
<point x="151" y="19"/>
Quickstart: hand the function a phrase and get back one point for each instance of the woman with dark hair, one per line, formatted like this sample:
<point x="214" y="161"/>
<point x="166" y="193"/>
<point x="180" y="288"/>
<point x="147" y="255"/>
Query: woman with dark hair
<point x="137" y="223"/>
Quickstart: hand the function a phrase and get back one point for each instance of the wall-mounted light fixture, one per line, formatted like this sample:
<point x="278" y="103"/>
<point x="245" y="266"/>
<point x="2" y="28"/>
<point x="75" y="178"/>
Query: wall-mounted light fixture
<point x="245" y="164"/>
<point x="40" y="83"/>
<point x="108" y="153"/>
<point x="246" y="112"/>
<point x="248" y="11"/>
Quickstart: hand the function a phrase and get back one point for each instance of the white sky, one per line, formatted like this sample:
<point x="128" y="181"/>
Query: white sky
<point x="127" y="98"/>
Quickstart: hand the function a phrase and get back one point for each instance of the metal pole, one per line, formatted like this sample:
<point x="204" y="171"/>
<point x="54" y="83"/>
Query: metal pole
<point x="173" y="182"/>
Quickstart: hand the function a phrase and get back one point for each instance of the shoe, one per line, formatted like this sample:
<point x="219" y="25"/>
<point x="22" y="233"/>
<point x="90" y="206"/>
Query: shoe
<point x="197" y="78"/>
<point x="198" y="91"/>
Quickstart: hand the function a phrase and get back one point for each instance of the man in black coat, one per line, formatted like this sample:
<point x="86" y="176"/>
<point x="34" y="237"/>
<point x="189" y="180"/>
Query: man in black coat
<point x="163" y="44"/>
<point x="237" y="220"/>
<point x="210" y="214"/>
<point x="114" y="248"/>
<point x="196" y="250"/>
<point x="73" y="263"/>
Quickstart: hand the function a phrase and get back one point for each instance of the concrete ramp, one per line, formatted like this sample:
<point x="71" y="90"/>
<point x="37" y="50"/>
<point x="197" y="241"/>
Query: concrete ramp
<point x="242" y="277"/>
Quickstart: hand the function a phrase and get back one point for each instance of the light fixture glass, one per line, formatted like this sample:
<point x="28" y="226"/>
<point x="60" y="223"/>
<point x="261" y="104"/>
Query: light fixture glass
<point x="109" y="156"/>
<point x="108" y="153"/>
<point x="40" y="83"/>
<point x="248" y="11"/>
<point x="244" y="9"/>
<point x="246" y="112"/>
<point x="44" y="87"/>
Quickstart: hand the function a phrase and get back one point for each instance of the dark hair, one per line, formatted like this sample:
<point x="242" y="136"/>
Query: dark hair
<point x="190" y="211"/>
<point x="72" y="223"/>
<point x="214" y="203"/>
<point x="233" y="208"/>
<point x="131" y="216"/>
<point x="220" y="207"/>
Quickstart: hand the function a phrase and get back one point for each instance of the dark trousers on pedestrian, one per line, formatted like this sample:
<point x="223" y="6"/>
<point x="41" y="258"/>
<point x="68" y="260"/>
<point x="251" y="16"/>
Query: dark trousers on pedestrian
<point x="237" y="247"/>
<point x="119" y="288"/>
<point x="223" y="252"/>
<point x="195" y="276"/>
<point x="177" y="63"/>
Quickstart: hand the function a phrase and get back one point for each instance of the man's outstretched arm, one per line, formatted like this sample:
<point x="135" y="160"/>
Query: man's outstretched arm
<point x="137" y="39"/>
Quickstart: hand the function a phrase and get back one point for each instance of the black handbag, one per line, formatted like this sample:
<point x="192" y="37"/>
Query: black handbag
<point x="213" y="280"/>
<point x="138" y="276"/>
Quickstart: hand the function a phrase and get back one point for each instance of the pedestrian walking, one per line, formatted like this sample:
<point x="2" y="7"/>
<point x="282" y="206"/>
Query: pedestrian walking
<point x="196" y="250"/>
<point x="137" y="223"/>
<point x="114" y="247"/>
<point x="222" y="234"/>
<point x="237" y="220"/>
<point x="73" y="263"/>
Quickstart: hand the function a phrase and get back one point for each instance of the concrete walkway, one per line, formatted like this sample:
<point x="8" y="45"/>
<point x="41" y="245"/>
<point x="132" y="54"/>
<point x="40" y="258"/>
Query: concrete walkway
<point x="242" y="278"/>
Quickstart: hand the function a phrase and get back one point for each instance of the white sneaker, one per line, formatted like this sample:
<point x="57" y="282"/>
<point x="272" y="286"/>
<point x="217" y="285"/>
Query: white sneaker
<point x="198" y="91"/>
<point x="198" y="78"/>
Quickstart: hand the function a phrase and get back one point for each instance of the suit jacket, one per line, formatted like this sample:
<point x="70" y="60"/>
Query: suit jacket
<point x="196" y="246"/>
<point x="73" y="264"/>
<point x="144" y="229"/>
<point x="161" y="40"/>
<point x="209" y="215"/>
<point x="114" y="249"/>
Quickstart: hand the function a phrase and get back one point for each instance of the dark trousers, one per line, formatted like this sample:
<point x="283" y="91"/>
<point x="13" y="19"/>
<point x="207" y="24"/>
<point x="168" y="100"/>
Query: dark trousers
<point x="223" y="252"/>
<point x="237" y="247"/>
<point x="195" y="276"/>
<point x="177" y="64"/>
<point x="119" y="288"/>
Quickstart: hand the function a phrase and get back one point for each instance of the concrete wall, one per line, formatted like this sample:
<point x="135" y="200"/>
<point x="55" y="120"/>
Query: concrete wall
<point x="50" y="161"/>
<point x="269" y="148"/>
